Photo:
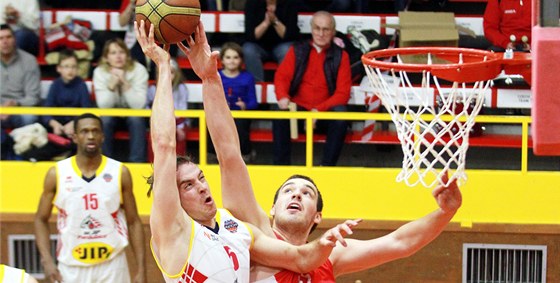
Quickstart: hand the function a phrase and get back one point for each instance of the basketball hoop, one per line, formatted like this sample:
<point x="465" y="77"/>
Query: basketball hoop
<point x="435" y="136"/>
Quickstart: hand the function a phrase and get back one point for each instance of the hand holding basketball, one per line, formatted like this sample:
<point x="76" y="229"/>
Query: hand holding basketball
<point x="148" y="44"/>
<point x="204" y="62"/>
<point x="173" y="20"/>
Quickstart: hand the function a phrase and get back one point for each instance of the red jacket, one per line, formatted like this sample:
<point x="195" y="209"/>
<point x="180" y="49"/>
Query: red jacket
<point x="313" y="91"/>
<point x="502" y="18"/>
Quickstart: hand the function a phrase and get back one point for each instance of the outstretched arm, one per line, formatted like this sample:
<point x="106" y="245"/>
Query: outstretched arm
<point x="304" y="258"/>
<point x="234" y="174"/>
<point x="403" y="242"/>
<point x="168" y="221"/>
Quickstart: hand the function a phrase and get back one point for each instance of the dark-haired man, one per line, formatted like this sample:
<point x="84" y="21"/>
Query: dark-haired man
<point x="191" y="238"/>
<point x="96" y="214"/>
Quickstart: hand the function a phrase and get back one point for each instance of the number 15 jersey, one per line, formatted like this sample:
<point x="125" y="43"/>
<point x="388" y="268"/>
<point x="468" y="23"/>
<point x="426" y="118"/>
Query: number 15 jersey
<point x="91" y="224"/>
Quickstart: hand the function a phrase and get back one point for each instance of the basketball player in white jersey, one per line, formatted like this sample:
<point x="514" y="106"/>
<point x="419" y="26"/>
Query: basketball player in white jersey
<point x="96" y="214"/>
<point x="297" y="210"/>
<point x="192" y="240"/>
<point x="14" y="275"/>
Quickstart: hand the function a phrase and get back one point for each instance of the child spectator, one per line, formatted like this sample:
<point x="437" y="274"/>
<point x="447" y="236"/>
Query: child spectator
<point x="239" y="86"/>
<point x="69" y="90"/>
<point x="180" y="101"/>
<point x="121" y="82"/>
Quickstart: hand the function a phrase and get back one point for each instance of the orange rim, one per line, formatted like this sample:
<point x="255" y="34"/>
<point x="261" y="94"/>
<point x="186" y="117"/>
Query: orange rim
<point x="477" y="65"/>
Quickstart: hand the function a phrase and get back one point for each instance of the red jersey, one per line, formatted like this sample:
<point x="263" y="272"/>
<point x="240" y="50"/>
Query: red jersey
<point x="323" y="274"/>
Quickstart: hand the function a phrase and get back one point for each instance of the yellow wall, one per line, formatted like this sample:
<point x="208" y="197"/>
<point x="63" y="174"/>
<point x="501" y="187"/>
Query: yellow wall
<point x="372" y="194"/>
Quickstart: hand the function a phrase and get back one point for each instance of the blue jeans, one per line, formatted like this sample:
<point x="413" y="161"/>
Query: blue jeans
<point x="137" y="137"/>
<point x="27" y="40"/>
<point x="334" y="129"/>
<point x="254" y="55"/>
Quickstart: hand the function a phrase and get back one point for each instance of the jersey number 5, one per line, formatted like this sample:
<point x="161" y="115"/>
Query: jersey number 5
<point x="233" y="257"/>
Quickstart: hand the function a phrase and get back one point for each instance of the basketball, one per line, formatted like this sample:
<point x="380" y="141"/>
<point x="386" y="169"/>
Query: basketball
<point x="173" y="20"/>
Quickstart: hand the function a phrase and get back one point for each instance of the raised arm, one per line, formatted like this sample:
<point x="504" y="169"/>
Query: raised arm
<point x="304" y="258"/>
<point x="237" y="191"/>
<point x="403" y="242"/>
<point x="167" y="219"/>
<point x="136" y="231"/>
<point x="42" y="232"/>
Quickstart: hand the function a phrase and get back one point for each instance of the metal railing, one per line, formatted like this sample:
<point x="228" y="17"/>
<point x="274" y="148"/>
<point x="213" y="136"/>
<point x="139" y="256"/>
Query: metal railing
<point x="268" y="115"/>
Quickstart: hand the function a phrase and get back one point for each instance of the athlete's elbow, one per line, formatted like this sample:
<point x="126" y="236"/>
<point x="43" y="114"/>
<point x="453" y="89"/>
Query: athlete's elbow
<point x="163" y="143"/>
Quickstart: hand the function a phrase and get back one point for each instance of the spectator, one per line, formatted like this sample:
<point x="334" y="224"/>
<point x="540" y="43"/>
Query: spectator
<point x="507" y="23"/>
<point x="270" y="29"/>
<point x="321" y="82"/>
<point x="69" y="90"/>
<point x="23" y="17"/>
<point x="20" y="79"/>
<point x="121" y="82"/>
<point x="239" y="86"/>
<point x="180" y="101"/>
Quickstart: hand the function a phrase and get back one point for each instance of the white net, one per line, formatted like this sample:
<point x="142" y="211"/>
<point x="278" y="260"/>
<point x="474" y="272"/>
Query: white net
<point x="434" y="135"/>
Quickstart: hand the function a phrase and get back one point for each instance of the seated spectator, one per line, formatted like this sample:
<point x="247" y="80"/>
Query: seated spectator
<point x="20" y="79"/>
<point x="320" y="82"/>
<point x="23" y="17"/>
<point x="121" y="82"/>
<point x="239" y="86"/>
<point x="507" y="23"/>
<point x="180" y="101"/>
<point x="270" y="29"/>
<point x="19" y="86"/>
<point x="69" y="90"/>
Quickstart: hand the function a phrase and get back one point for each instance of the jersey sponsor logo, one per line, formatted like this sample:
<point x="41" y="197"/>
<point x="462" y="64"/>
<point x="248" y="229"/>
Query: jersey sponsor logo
<point x="231" y="226"/>
<point x="107" y="177"/>
<point x="210" y="236"/>
<point x="91" y="228"/>
<point x="510" y="11"/>
<point x="90" y="223"/>
<point x="68" y="179"/>
<point x="72" y="189"/>
<point x="92" y="253"/>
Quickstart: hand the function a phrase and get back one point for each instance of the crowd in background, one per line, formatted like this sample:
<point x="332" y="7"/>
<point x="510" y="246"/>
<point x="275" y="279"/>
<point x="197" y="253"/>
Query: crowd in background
<point x="121" y="75"/>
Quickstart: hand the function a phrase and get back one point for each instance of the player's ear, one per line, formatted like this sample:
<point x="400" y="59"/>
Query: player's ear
<point x="273" y="210"/>
<point x="318" y="217"/>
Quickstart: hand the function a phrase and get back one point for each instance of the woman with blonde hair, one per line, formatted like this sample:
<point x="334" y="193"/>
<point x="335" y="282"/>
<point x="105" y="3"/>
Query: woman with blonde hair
<point x="121" y="82"/>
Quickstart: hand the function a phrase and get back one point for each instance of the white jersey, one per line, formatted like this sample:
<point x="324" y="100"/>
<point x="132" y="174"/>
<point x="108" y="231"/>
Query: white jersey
<point x="12" y="275"/>
<point x="215" y="258"/>
<point x="91" y="224"/>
